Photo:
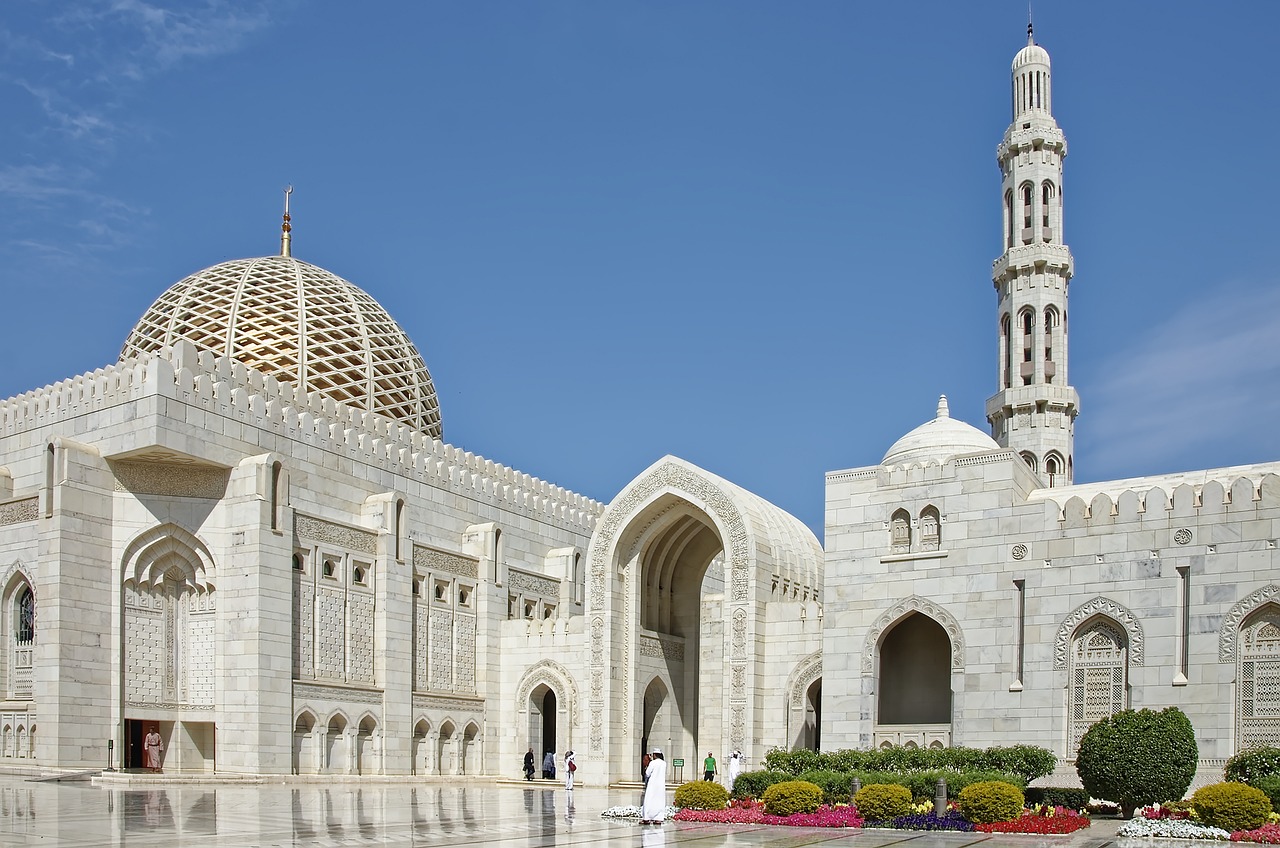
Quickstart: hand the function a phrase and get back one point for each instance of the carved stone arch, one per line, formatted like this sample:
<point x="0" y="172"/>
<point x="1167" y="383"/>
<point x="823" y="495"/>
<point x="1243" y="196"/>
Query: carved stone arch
<point x="447" y="721"/>
<point x="1229" y="633"/>
<point x="303" y="711"/>
<point x="154" y="552"/>
<point x="801" y="678"/>
<point x="901" y="610"/>
<point x="1099" y="605"/>
<point x="338" y="713"/>
<point x="368" y="714"/>
<point x="17" y="570"/>
<point x="553" y="675"/>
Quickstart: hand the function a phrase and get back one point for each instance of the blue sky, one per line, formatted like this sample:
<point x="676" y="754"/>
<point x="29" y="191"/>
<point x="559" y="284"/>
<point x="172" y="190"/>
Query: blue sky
<point x="754" y="235"/>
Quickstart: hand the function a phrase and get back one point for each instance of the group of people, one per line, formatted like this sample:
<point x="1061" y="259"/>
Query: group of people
<point x="653" y="809"/>
<point x="735" y="768"/>
<point x="549" y="766"/>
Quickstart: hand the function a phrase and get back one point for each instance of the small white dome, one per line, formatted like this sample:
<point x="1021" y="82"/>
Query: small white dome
<point x="939" y="440"/>
<point x="1032" y="54"/>
<point x="301" y="324"/>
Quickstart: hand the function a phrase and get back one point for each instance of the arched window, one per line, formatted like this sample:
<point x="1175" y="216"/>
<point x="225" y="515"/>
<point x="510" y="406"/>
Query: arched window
<point x="1008" y="218"/>
<point x="1258" y="695"/>
<point x="1050" y="337"/>
<point x="1027" y="196"/>
<point x="1028" y="320"/>
<point x="1006" y="343"/>
<point x="1098" y="676"/>
<point x="399" y="528"/>
<point x="930" y="529"/>
<point x="1030" y="459"/>
<point x="24" y="617"/>
<point x="900" y="532"/>
<point x="1046" y="195"/>
<point x="277" y="498"/>
<point x="1053" y="468"/>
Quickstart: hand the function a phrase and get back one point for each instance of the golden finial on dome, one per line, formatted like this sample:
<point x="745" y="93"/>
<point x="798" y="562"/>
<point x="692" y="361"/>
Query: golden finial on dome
<point x="286" y="227"/>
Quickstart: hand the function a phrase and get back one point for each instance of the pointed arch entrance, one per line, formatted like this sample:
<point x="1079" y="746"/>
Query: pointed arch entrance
<point x="680" y="568"/>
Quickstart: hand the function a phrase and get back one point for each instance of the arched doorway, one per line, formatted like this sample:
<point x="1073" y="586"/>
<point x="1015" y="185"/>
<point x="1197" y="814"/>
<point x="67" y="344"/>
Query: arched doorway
<point x="336" y="756"/>
<point x="304" y="760"/>
<point x="1258" y="670"/>
<point x="913" y="704"/>
<point x="421" y="747"/>
<point x="656" y="728"/>
<point x="811" y="730"/>
<point x="444" y="749"/>
<point x="543" y="710"/>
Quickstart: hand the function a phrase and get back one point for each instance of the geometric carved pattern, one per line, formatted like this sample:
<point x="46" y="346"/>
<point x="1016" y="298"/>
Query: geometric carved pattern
<point x="441" y="649"/>
<point x="465" y="677"/>
<point x="430" y="559"/>
<point x="172" y="479"/>
<point x="299" y="324"/>
<point x="1258" y="692"/>
<point x="532" y="584"/>
<point x="1097" y="677"/>
<point x="351" y="538"/>
<point x="662" y="647"/>
<point x="27" y="509"/>
<point x="1229" y="633"/>
<point x="361" y="636"/>
<point x="557" y="678"/>
<point x="915" y="603"/>
<point x="1099" y="606"/>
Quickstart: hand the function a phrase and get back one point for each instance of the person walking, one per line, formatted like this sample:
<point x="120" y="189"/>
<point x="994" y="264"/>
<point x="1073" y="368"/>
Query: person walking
<point x="735" y="767"/>
<point x="570" y="766"/>
<point x="528" y="764"/>
<point x="654" y="809"/>
<point x="549" y="766"/>
<point x="153" y="749"/>
<point x="709" y="767"/>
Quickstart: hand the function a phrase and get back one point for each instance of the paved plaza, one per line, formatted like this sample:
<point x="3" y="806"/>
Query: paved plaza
<point x="80" y="813"/>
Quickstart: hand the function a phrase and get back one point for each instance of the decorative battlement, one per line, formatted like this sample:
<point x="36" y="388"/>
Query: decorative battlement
<point x="1219" y="490"/>
<point x="229" y="387"/>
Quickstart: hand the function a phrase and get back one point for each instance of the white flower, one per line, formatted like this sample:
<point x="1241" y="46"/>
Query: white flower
<point x="1171" y="829"/>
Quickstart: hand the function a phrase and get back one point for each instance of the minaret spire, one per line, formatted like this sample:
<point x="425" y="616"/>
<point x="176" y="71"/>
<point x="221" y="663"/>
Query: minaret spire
<point x="1034" y="408"/>
<point x="286" y="248"/>
<point x="1031" y="38"/>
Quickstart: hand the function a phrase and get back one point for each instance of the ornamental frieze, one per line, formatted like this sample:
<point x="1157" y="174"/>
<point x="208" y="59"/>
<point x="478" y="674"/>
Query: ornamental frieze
<point x="171" y="479"/>
<point x="339" y="535"/>
<point x="312" y="693"/>
<point x="1099" y="606"/>
<point x="1229" y="633"/>
<point x="431" y="559"/>
<point x="532" y="584"/>
<point x="13" y="512"/>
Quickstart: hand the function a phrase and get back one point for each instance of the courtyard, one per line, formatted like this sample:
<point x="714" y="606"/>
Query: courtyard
<point x="81" y="813"/>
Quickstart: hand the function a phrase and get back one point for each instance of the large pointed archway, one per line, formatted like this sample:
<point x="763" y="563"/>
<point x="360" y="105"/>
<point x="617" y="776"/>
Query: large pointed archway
<point x="679" y="570"/>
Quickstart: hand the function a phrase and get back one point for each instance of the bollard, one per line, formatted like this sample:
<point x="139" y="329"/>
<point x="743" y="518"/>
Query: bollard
<point x="940" y="798"/>
<point x="854" y="786"/>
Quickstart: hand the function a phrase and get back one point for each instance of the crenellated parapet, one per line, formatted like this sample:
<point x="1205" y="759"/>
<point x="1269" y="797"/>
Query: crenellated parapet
<point x="1222" y="491"/>
<point x="229" y="388"/>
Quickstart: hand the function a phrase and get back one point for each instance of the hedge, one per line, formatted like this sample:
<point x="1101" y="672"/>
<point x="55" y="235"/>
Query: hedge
<point x="1027" y="761"/>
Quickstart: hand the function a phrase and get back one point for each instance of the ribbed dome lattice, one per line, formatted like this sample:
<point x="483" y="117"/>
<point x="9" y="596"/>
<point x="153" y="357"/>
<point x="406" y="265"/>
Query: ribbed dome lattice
<point x="300" y="324"/>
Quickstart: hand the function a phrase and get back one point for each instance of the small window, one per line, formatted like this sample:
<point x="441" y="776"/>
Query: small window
<point x="464" y="595"/>
<point x="360" y="574"/>
<point x="299" y="563"/>
<point x="529" y="607"/>
<point x="25" y="619"/>
<point x="513" y="605"/>
<point x="442" y="591"/>
<point x="548" y="611"/>
<point x="417" y="586"/>
<point x="330" y="569"/>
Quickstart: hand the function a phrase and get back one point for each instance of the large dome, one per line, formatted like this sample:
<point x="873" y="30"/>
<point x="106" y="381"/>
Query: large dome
<point x="300" y="324"/>
<point x="939" y="440"/>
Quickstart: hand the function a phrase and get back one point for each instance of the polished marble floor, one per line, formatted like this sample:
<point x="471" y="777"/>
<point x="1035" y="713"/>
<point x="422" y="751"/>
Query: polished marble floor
<point x="81" y="814"/>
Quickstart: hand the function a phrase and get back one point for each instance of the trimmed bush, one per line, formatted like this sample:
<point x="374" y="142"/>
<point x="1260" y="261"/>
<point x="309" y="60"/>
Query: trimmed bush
<point x="834" y="785"/>
<point x="1270" y="786"/>
<point x="921" y="783"/>
<point x="790" y="797"/>
<point x="990" y="801"/>
<point x="752" y="784"/>
<point x="1057" y="796"/>
<point x="1026" y="761"/>
<point x="880" y="801"/>
<point x="1231" y="806"/>
<point x="1253" y="763"/>
<point x="1138" y="757"/>
<point x="701" y="795"/>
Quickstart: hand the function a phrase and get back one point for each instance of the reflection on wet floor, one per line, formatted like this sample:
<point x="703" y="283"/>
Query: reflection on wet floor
<point x="80" y="813"/>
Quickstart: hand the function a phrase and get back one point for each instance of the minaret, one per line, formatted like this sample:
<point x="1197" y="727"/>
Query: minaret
<point x="1035" y="409"/>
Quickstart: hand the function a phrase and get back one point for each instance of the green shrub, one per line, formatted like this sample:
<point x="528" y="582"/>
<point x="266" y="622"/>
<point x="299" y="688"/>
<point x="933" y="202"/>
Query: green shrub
<point x="880" y="801"/>
<point x="921" y="784"/>
<point x="1137" y="757"/>
<point x="1057" y="796"/>
<point x="790" y="797"/>
<point x="1027" y="761"/>
<point x="1270" y="786"/>
<point x="1231" y="806"/>
<point x="752" y="784"/>
<point x="701" y="795"/>
<point x="990" y="801"/>
<point x="794" y="762"/>
<point x="1253" y="763"/>
<point x="834" y="785"/>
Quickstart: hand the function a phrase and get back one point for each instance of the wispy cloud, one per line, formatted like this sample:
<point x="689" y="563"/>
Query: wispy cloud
<point x="1202" y="385"/>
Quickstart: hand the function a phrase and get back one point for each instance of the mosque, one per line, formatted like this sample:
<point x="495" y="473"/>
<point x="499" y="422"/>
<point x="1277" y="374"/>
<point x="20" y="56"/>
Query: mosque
<point x="249" y="535"/>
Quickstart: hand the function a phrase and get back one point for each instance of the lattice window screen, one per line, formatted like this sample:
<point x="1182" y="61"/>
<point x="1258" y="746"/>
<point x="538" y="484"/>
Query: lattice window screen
<point x="1099" y="665"/>
<point x="1258" y="700"/>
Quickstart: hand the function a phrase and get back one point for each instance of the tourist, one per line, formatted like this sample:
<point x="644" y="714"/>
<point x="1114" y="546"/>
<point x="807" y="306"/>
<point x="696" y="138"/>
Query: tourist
<point x="549" y="766"/>
<point x="654" y="809"/>
<point x="570" y="766"/>
<point x="709" y="767"/>
<point x="153" y="748"/>
<point x="528" y="764"/>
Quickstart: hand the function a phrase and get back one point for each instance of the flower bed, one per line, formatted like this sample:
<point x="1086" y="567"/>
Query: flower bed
<point x="1268" y="833"/>
<point x="1045" y="820"/>
<point x="1170" y="829"/>
<point x="951" y="820"/>
<point x="752" y="812"/>
<point x="630" y="811"/>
